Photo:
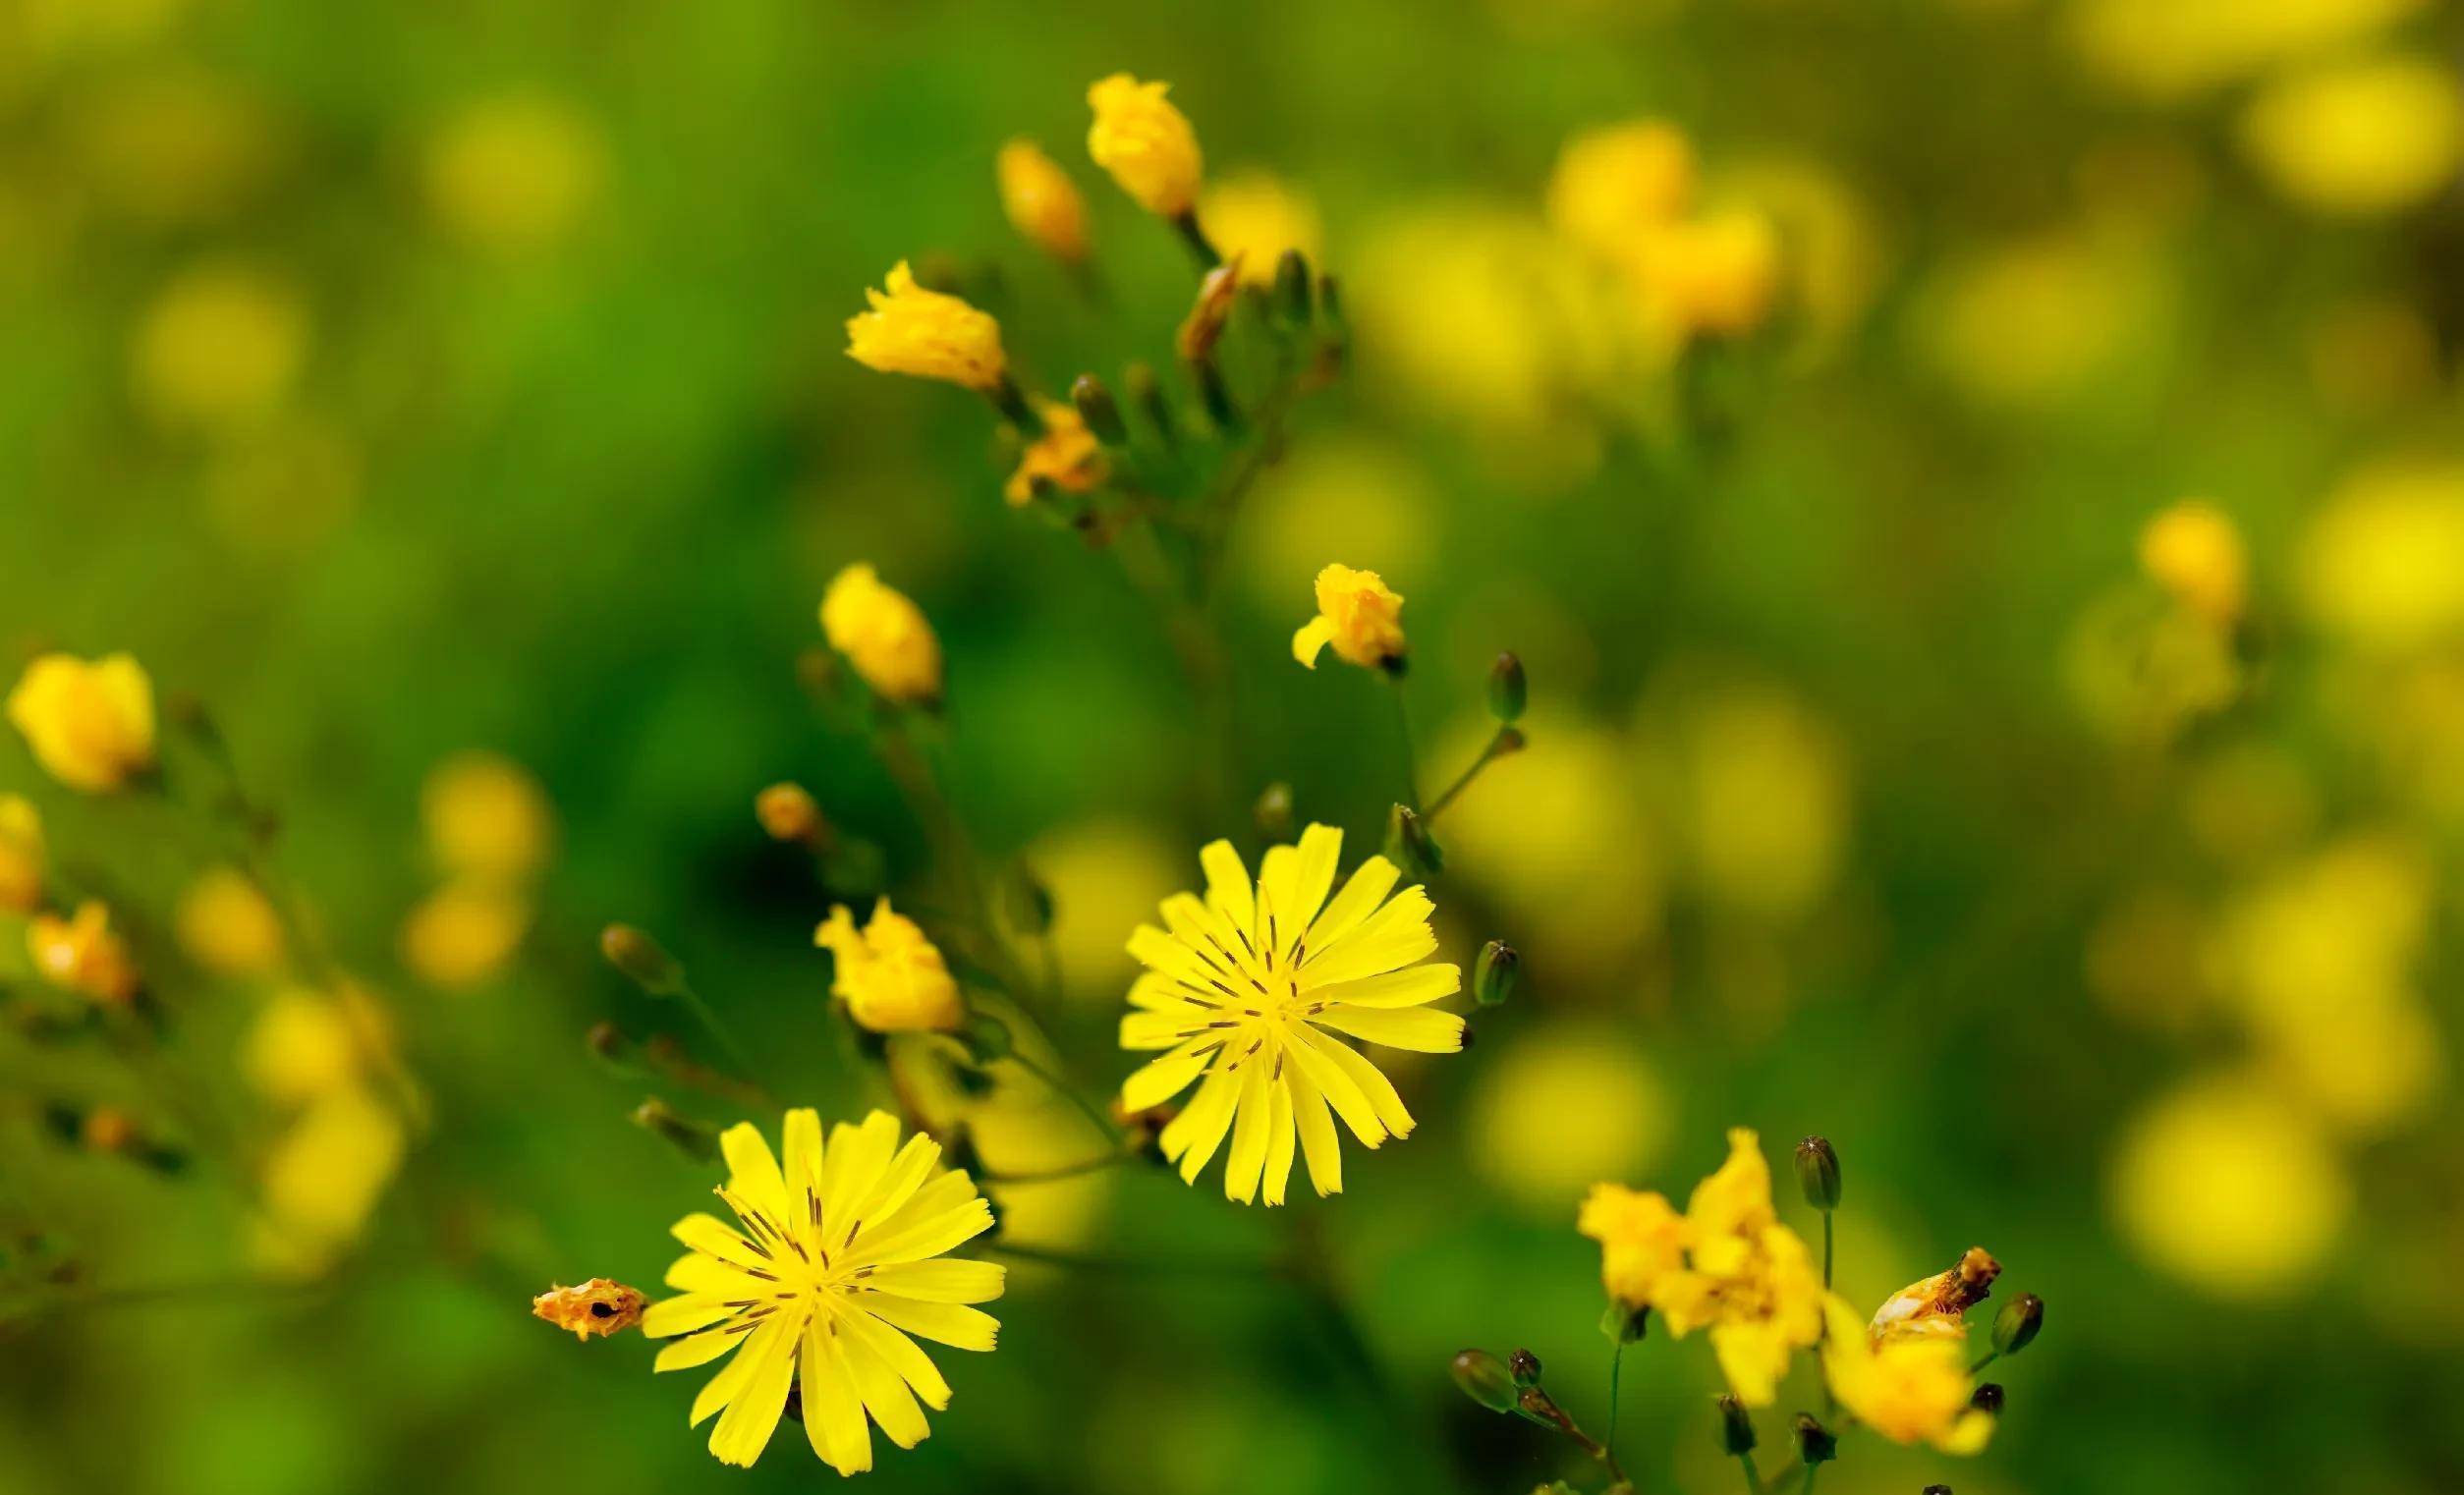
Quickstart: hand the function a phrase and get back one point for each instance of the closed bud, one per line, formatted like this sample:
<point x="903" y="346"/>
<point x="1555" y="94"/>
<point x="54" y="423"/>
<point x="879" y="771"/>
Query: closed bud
<point x="642" y="959"/>
<point x="1736" y="1428"/>
<point x="1203" y="327"/>
<point x="1027" y="901"/>
<point x="1506" y="689"/>
<point x="2016" y="1326"/>
<point x="1525" y="1368"/>
<point x="1495" y="974"/>
<point x="1816" y="1444"/>
<point x="1485" y="1379"/>
<point x="1409" y="845"/>
<point x="1096" y="407"/>
<point x="608" y="1044"/>
<point x="1292" y="290"/>
<point x="687" y="1136"/>
<point x="1273" y="812"/>
<point x="787" y="812"/>
<point x="1621" y="1325"/>
<point x="1330" y="299"/>
<point x="1145" y="392"/>
<point x="1818" y="1173"/>
<point x="1988" y="1399"/>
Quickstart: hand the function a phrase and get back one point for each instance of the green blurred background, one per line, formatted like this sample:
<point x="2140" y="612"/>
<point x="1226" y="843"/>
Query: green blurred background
<point x="401" y="380"/>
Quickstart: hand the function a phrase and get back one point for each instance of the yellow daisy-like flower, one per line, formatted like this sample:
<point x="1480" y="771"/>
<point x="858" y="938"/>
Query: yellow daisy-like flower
<point x="90" y="725"/>
<point x="892" y="978"/>
<point x="1067" y="454"/>
<point x="1357" y="614"/>
<point x="1641" y="1241"/>
<point x="832" y="1272"/>
<point x="928" y="334"/>
<point x="1146" y="143"/>
<point x="1249" y="986"/>
<point x="1909" y="1390"/>
<point x="1041" y="200"/>
<point x="884" y="634"/>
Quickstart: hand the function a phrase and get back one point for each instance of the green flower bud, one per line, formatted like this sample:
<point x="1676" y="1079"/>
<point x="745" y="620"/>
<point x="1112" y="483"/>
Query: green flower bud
<point x="1495" y="974"/>
<point x="1736" y="1427"/>
<point x="694" y="1141"/>
<point x="1815" y="1443"/>
<point x="608" y="1045"/>
<point x="1818" y="1173"/>
<point x="642" y="959"/>
<point x="1096" y="407"/>
<point x="1937" y="1489"/>
<point x="1506" y="689"/>
<point x="1409" y="845"/>
<point x="1485" y="1379"/>
<point x="1145" y="392"/>
<point x="1026" y="901"/>
<point x="1273" y="812"/>
<point x="1292" y="293"/>
<point x="2016" y="1326"/>
<point x="1525" y="1368"/>
<point x="1623" y="1325"/>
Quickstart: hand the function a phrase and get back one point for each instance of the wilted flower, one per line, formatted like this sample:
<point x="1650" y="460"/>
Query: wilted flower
<point x="835" y="1268"/>
<point x="883" y="635"/>
<point x="1357" y="614"/>
<point x="82" y="954"/>
<point x="1935" y="1307"/>
<point x="1067" y="455"/>
<point x="1247" y="988"/>
<point x="928" y="334"/>
<point x="89" y="724"/>
<point x="600" y="1306"/>
<point x="1908" y="1390"/>
<point x="1041" y="200"/>
<point x="21" y="857"/>
<point x="892" y="978"/>
<point x="1146" y="143"/>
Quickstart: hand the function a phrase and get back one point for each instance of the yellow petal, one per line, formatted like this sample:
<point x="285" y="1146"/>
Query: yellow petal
<point x="953" y="1324"/>
<point x="1314" y="637"/>
<point x="1318" y="1143"/>
<point x="1418" y="1029"/>
<point x="950" y="1280"/>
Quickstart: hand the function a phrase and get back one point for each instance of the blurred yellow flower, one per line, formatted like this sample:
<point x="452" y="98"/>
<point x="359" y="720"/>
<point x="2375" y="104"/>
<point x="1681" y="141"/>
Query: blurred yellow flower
<point x="883" y="635"/>
<point x="1067" y="455"/>
<point x="2360" y="138"/>
<point x="22" y="854"/>
<point x="1761" y="789"/>
<point x="928" y="334"/>
<point x="1614" y="185"/>
<point x="1831" y="249"/>
<point x="1909" y="1390"/>
<point x="226" y="926"/>
<point x="463" y="933"/>
<point x="302" y="1045"/>
<point x="1041" y="200"/>
<point x="1247" y="991"/>
<point x="173" y="145"/>
<point x="843" y="1256"/>
<point x="2194" y="551"/>
<point x="1643" y="1242"/>
<point x="1146" y="143"/>
<point x="485" y="815"/>
<point x="512" y="175"/>
<point x="2183" y="46"/>
<point x="788" y="812"/>
<point x="1716" y="276"/>
<point x="1617" y="1113"/>
<point x="2229" y="1188"/>
<point x="220" y="348"/>
<point x="891" y="977"/>
<point x="1353" y="494"/>
<point x="90" y="725"/>
<point x="1105" y="873"/>
<point x="328" y="1170"/>
<point x="2382" y="562"/>
<point x="2028" y="325"/>
<point x="82" y="954"/>
<point x="1252" y="218"/>
<point x="1357" y="614"/>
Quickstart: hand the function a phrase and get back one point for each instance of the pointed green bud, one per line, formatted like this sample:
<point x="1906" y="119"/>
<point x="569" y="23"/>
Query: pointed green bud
<point x="1292" y="292"/>
<point x="1409" y="845"/>
<point x="1816" y="1444"/>
<point x="1146" y="393"/>
<point x="1495" y="974"/>
<point x="609" y="1045"/>
<point x="1272" y="813"/>
<point x="642" y="959"/>
<point x="1736" y="1427"/>
<point x="1525" y="1368"/>
<point x="1096" y="407"/>
<point x="1818" y="1173"/>
<point x="1622" y="1325"/>
<point x="2016" y="1326"/>
<point x="1484" y="1379"/>
<point x="1506" y="689"/>
<point x="1936" y="1489"/>
<point x="696" y="1141"/>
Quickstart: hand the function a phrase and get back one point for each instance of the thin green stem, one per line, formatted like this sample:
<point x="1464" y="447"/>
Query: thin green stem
<point x="717" y="1029"/>
<point x="1463" y="781"/>
<point x="1753" y="1476"/>
<point x="1807" y="1487"/>
<point x="1990" y="1356"/>
<point x="1616" y="1365"/>
<point x="1067" y="1092"/>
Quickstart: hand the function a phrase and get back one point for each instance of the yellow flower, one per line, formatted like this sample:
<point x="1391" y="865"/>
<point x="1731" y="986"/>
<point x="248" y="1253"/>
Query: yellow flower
<point x="90" y="725"/>
<point x="883" y="635"/>
<point x="21" y="856"/>
<point x="222" y="348"/>
<point x="2193" y="552"/>
<point x="1935" y="1307"/>
<point x="1357" y="614"/>
<point x="1908" y="1390"/>
<point x="1614" y="184"/>
<point x="1146" y="143"/>
<point x="1242" y="988"/>
<point x="325" y="1173"/>
<point x="304" y="1045"/>
<point x="2382" y="564"/>
<point x="1251" y="218"/>
<point x="2229" y="1187"/>
<point x="1067" y="454"/>
<point x="463" y="934"/>
<point x="1581" y="1067"/>
<point x="787" y="811"/>
<point x="1641" y="1243"/>
<point x="1041" y="201"/>
<point x="928" y="334"/>
<point x="512" y="175"/>
<point x="80" y="954"/>
<point x="226" y="926"/>
<point x="485" y="816"/>
<point x="892" y="978"/>
<point x="835" y="1268"/>
<point x="1716" y="275"/>
<point x="2360" y="138"/>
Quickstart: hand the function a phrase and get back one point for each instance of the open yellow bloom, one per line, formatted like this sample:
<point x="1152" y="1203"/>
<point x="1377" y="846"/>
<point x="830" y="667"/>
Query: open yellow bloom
<point x="892" y="978"/>
<point x="2194" y="551"/>
<point x="911" y="330"/>
<point x="226" y="924"/>
<point x="1614" y="184"/>
<point x="1146" y="143"/>
<point x="20" y="855"/>
<point x="1249" y="986"/>
<point x="1641" y="1241"/>
<point x="1067" y="454"/>
<point x="1357" y="614"/>
<point x="1908" y="1390"/>
<point x="883" y="635"/>
<point x="1041" y="200"/>
<point x="832" y="1273"/>
<point x="80" y="954"/>
<point x="90" y="725"/>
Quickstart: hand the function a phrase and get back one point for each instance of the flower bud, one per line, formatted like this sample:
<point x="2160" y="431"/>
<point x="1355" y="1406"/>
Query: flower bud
<point x="1988" y="1399"/>
<point x="1818" y="1173"/>
<point x="1506" y="689"/>
<point x="608" y="1044"/>
<point x="2016" y="1326"/>
<point x="1273" y="812"/>
<point x="642" y="959"/>
<point x="1495" y="974"/>
<point x="1409" y="845"/>
<point x="1292" y="289"/>
<point x="1096" y="407"/>
<point x="1816" y="1444"/>
<point x="1145" y="392"/>
<point x="694" y="1141"/>
<point x="787" y="812"/>
<point x="1027" y="901"/>
<point x="1620" y="1323"/>
<point x="1736" y="1428"/>
<point x="1485" y="1379"/>
<point x="1203" y="327"/>
<point x="1525" y="1368"/>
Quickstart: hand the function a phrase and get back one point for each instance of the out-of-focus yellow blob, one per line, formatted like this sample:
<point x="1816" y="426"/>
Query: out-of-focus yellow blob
<point x="22" y="854"/>
<point x="2360" y="138"/>
<point x="884" y="634"/>
<point x="302" y="1045"/>
<point x="55" y="28"/>
<point x="2248" y="803"/>
<point x="463" y="933"/>
<point x="222" y="348"/>
<point x="1716" y="275"/>
<point x="2171" y="48"/>
<point x="1339" y="495"/>
<point x="2031" y="324"/>
<point x="2382" y="564"/>
<point x="1107" y="876"/>
<point x="226" y="924"/>
<point x="328" y="1169"/>
<point x="513" y="174"/>
<point x="2143" y="960"/>
<point x="1255" y="215"/>
<point x="1610" y="1115"/>
<point x="286" y="488"/>
<point x="2363" y="1071"/>
<point x="2194" y="551"/>
<point x="1041" y="200"/>
<point x="485" y="816"/>
<point x="1759" y="783"/>
<point x="1831" y="253"/>
<point x="2230" y="1190"/>
<point x="1615" y="184"/>
<point x="173" y="146"/>
<point x="90" y="723"/>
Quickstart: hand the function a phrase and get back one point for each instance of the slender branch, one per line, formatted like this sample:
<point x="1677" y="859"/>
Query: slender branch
<point x="1616" y="1365"/>
<point x="1495" y="748"/>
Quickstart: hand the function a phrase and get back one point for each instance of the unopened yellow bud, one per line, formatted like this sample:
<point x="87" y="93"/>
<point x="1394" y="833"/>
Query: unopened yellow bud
<point x="911" y="330"/>
<point x="1357" y="614"/>
<point x="892" y="978"/>
<point x="82" y="955"/>
<point x="883" y="635"/>
<point x="787" y="812"/>
<point x="20" y="855"/>
<point x="1146" y="143"/>
<point x="89" y="724"/>
<point x="226" y="924"/>
<point x="1067" y="456"/>
<point x="2194" y="551"/>
<point x="1043" y="204"/>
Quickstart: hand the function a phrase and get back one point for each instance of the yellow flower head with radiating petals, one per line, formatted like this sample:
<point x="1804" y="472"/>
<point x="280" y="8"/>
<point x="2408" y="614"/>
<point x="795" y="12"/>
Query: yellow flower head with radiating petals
<point x="89" y="724"/>
<point x="1252" y="218"/>
<point x="834" y="1269"/>
<point x="2194" y="551"/>
<point x="1067" y="455"/>
<point x="21" y="856"/>
<point x="1616" y="183"/>
<point x="1357" y="614"/>
<point x="1908" y="1390"/>
<point x="1041" y="200"/>
<point x="82" y="954"/>
<point x="1249" y="991"/>
<point x="1146" y="143"/>
<point x="227" y="926"/>
<point x="928" y="334"/>
<point x="883" y="635"/>
<point x="2360" y="138"/>
<point x="892" y="978"/>
<point x="1936" y="1307"/>
<point x="1641" y="1241"/>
